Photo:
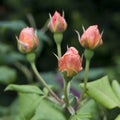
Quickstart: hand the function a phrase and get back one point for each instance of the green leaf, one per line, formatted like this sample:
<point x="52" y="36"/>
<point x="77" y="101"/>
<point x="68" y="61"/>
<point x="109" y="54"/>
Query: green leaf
<point x="15" y="25"/>
<point x="13" y="108"/>
<point x="15" y="57"/>
<point x="93" y="73"/>
<point x="118" y="117"/>
<point x="48" y="111"/>
<point x="8" y="55"/>
<point x="28" y="104"/>
<point x="76" y="117"/>
<point x="116" y="88"/>
<point x="7" y="75"/>
<point x="24" y="88"/>
<point x="29" y="99"/>
<point x="89" y="111"/>
<point x="10" y="117"/>
<point x="101" y="91"/>
<point x="4" y="48"/>
<point x="11" y="58"/>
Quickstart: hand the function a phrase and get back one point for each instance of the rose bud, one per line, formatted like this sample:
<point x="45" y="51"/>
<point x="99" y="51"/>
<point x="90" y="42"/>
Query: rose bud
<point x="28" y="40"/>
<point x="70" y="63"/>
<point x="57" y="23"/>
<point x="91" y="38"/>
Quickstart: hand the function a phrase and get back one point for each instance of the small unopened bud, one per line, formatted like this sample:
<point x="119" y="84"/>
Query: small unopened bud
<point x="70" y="63"/>
<point x="57" y="23"/>
<point x="27" y="41"/>
<point x="91" y="38"/>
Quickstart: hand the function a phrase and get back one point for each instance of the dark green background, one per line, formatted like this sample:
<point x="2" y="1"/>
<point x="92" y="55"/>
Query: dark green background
<point x="104" y="13"/>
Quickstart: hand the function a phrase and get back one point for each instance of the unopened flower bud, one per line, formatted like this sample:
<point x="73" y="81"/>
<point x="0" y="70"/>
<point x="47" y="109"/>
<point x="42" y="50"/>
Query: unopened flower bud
<point x="91" y="38"/>
<point x="57" y="23"/>
<point x="28" y="40"/>
<point x="70" y="63"/>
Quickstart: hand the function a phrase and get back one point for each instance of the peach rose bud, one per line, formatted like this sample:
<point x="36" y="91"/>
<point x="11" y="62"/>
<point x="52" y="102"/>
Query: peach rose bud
<point x="28" y="40"/>
<point x="91" y="38"/>
<point x="70" y="62"/>
<point x="57" y="23"/>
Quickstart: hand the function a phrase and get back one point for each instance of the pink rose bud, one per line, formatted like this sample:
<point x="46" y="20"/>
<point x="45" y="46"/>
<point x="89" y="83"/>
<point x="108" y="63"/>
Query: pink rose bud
<point x="91" y="38"/>
<point x="57" y="23"/>
<point x="70" y="62"/>
<point x="28" y="40"/>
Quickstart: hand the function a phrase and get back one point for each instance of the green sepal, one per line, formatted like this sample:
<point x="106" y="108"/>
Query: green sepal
<point x="88" y="54"/>
<point x="58" y="37"/>
<point x="68" y="78"/>
<point x="31" y="57"/>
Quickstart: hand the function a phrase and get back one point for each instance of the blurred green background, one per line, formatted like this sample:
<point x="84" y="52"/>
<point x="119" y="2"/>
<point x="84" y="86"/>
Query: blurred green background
<point x="16" y="14"/>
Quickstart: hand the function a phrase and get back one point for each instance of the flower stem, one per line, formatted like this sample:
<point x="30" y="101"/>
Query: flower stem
<point x="45" y="84"/>
<point x="58" y="39"/>
<point x="88" y="55"/>
<point x="66" y="94"/>
<point x="59" y="49"/>
<point x="85" y="79"/>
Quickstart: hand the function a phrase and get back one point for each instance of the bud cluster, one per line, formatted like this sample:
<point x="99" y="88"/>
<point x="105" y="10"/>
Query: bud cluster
<point x="71" y="61"/>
